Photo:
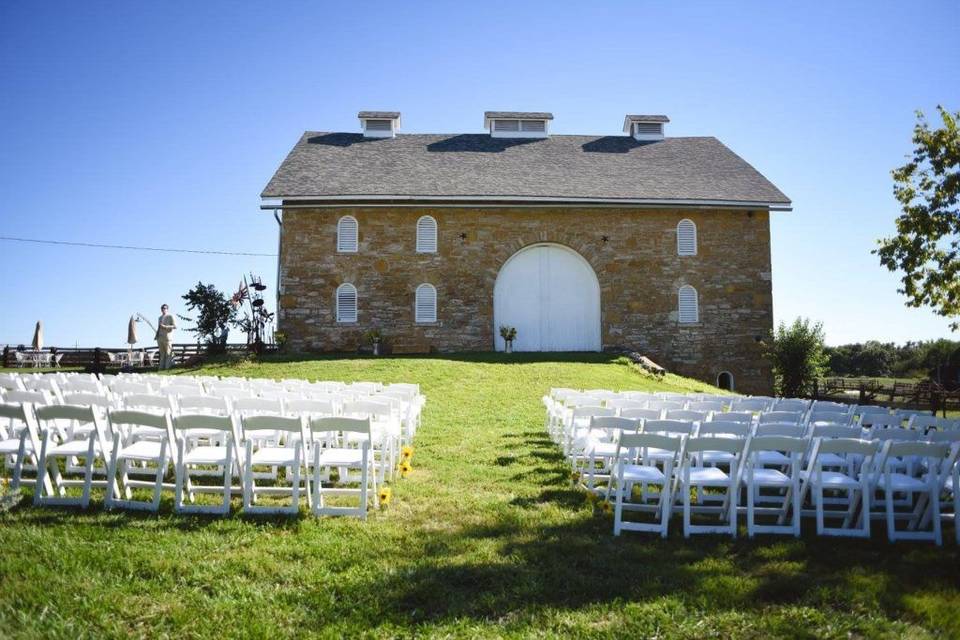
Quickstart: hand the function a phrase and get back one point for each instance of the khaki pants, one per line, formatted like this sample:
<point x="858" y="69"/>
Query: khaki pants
<point x="166" y="354"/>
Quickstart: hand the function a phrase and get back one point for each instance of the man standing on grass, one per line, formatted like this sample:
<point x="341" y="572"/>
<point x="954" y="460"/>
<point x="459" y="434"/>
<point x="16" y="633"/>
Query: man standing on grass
<point x="165" y="326"/>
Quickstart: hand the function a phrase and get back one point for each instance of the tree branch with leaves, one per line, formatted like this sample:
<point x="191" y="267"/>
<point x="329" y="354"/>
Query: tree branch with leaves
<point x="926" y="248"/>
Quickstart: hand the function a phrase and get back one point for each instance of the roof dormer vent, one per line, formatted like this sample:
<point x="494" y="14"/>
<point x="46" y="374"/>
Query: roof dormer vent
<point x="517" y="124"/>
<point x="645" y="127"/>
<point x="379" y="124"/>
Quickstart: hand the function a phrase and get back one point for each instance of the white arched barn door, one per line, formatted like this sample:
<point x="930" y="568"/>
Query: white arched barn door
<point x="550" y="293"/>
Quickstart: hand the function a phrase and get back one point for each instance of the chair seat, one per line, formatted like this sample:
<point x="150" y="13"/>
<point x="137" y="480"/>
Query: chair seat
<point x="141" y="450"/>
<point x="206" y="455"/>
<point x="832" y="480"/>
<point x="772" y="459"/>
<point x="73" y="448"/>
<point x="643" y="473"/>
<point x="716" y="457"/>
<point x="341" y="457"/>
<point x="832" y="460"/>
<point x="707" y="476"/>
<point x="13" y="445"/>
<point x="652" y="453"/>
<point x="769" y="478"/>
<point x="901" y="482"/>
<point x="209" y="434"/>
<point x="273" y="455"/>
<point x="603" y="449"/>
<point x="148" y="432"/>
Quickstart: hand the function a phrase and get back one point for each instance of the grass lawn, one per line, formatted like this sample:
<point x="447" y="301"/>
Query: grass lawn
<point x="485" y="538"/>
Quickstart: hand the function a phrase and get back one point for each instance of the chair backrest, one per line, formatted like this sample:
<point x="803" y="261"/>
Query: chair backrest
<point x="367" y="408"/>
<point x="785" y="444"/>
<point x="917" y="449"/>
<point x="614" y="422"/>
<point x="780" y="416"/>
<point x="668" y="426"/>
<point x="943" y="436"/>
<point x="206" y="421"/>
<point x="854" y="446"/>
<point x="645" y="414"/>
<point x="129" y="417"/>
<point x="665" y="405"/>
<point x="252" y="406"/>
<point x="896" y="435"/>
<point x="711" y="443"/>
<point x="646" y="440"/>
<point x="42" y="383"/>
<point x="136" y="401"/>
<point x="307" y="406"/>
<point x="682" y="414"/>
<point x="289" y="424"/>
<point x="11" y="414"/>
<point x="835" y="431"/>
<point x="789" y="429"/>
<point x="181" y="389"/>
<point x="20" y="396"/>
<point x="837" y="417"/>
<point x="625" y="403"/>
<point x="76" y="384"/>
<point x="126" y="387"/>
<point x="88" y="400"/>
<point x="735" y="416"/>
<point x="835" y="407"/>
<point x="863" y="410"/>
<point x="338" y="423"/>
<point x="203" y="404"/>
<point x="740" y="429"/>
<point x="11" y="382"/>
<point x="706" y="406"/>
<point x="753" y="405"/>
<point x="880" y="421"/>
<point x="590" y="411"/>
<point x="791" y="404"/>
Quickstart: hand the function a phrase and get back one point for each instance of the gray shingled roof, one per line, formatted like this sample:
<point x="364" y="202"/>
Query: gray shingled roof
<point x="652" y="118"/>
<point x="607" y="168"/>
<point x="378" y="115"/>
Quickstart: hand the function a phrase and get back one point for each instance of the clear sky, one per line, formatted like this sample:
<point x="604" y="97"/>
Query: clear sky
<point x="158" y="124"/>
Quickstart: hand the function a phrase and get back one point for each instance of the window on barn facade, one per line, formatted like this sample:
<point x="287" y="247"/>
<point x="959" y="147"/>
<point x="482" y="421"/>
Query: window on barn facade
<point x="689" y="308"/>
<point x="426" y="235"/>
<point x="346" y="303"/>
<point x="686" y="238"/>
<point x="425" y="306"/>
<point x="347" y="235"/>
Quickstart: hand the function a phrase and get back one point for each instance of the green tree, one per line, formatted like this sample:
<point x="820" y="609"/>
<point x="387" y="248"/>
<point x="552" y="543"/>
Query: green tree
<point x="797" y="354"/>
<point x="213" y="313"/>
<point x="926" y="248"/>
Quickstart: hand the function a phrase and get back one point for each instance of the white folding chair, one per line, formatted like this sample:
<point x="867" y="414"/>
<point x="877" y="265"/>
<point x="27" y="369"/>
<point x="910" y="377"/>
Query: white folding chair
<point x="783" y="483"/>
<point x="20" y="442"/>
<point x="693" y="476"/>
<point x="358" y="458"/>
<point x="633" y="467"/>
<point x="91" y="448"/>
<point x="149" y="447"/>
<point x="855" y="485"/>
<point x="292" y="457"/>
<point x="601" y="447"/>
<point x="222" y="453"/>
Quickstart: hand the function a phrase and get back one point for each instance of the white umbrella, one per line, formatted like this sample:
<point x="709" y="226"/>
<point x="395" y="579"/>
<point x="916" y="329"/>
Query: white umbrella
<point x="131" y="336"/>
<point x="38" y="337"/>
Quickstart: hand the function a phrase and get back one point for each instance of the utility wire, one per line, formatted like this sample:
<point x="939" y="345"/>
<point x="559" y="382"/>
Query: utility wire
<point x="122" y="246"/>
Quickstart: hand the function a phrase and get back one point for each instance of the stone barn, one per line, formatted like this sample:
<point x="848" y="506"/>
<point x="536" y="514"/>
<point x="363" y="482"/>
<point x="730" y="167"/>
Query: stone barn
<point x="582" y="243"/>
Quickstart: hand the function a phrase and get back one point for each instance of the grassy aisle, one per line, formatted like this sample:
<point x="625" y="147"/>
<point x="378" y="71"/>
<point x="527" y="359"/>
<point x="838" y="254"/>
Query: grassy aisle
<point x="485" y="537"/>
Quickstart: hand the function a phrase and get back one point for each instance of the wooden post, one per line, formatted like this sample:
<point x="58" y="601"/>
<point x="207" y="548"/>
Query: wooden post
<point x="6" y="356"/>
<point x="816" y="389"/>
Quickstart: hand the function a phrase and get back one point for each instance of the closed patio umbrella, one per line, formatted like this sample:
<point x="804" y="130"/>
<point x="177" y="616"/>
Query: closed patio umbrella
<point x="131" y="336"/>
<point x="38" y="337"/>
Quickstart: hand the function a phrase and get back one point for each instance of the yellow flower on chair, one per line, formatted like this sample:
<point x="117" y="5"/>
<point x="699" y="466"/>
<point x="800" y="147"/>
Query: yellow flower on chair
<point x="606" y="508"/>
<point x="406" y="452"/>
<point x="384" y="496"/>
<point x="405" y="468"/>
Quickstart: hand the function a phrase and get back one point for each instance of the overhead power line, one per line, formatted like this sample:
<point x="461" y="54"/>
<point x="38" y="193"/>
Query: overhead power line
<point x="132" y="248"/>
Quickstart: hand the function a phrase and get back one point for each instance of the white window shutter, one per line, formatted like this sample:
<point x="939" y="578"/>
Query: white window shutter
<point x="426" y="303"/>
<point x="346" y="303"/>
<point x="379" y="125"/>
<point x="426" y="235"/>
<point x="347" y="235"/>
<point x="689" y="307"/>
<point x="648" y="128"/>
<point x="538" y="126"/>
<point x="506" y="125"/>
<point x="686" y="238"/>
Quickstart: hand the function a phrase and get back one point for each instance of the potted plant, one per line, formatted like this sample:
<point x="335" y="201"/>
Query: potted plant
<point x="508" y="334"/>
<point x="280" y="338"/>
<point x="374" y="337"/>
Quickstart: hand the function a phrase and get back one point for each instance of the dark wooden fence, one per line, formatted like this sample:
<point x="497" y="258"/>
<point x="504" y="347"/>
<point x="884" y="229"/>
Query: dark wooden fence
<point x="925" y="394"/>
<point x="97" y="358"/>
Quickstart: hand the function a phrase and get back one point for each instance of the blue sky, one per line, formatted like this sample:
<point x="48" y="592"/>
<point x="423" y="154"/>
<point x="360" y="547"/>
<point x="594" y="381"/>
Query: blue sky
<point x="159" y="123"/>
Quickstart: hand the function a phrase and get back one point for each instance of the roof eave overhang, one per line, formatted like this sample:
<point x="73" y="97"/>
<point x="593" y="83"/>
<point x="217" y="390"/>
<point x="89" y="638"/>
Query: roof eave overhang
<point x="273" y="202"/>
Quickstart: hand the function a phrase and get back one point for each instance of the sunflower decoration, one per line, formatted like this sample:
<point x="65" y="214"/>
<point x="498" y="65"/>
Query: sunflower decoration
<point x="575" y="478"/>
<point x="406" y="453"/>
<point x="405" y="468"/>
<point x="384" y="496"/>
<point x="606" y="508"/>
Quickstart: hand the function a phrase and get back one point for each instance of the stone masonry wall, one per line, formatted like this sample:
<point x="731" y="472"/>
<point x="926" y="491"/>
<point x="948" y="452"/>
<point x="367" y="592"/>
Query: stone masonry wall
<point x="637" y="267"/>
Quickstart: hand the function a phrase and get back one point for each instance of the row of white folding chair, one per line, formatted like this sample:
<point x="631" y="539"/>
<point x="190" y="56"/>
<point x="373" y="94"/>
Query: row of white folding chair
<point x="647" y="452"/>
<point x="155" y="440"/>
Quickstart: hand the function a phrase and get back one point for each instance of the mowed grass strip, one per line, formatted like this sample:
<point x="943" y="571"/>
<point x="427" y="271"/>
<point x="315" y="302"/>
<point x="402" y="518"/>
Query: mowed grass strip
<point x="485" y="538"/>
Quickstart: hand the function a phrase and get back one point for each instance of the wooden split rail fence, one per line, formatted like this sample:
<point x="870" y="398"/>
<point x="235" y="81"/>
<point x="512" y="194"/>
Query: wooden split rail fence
<point x="926" y="395"/>
<point x="96" y="358"/>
